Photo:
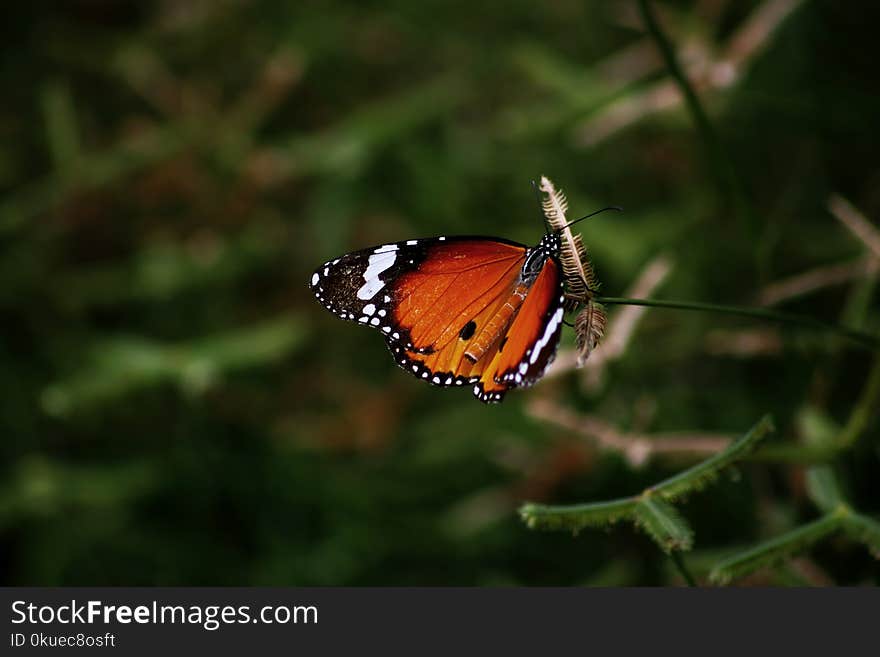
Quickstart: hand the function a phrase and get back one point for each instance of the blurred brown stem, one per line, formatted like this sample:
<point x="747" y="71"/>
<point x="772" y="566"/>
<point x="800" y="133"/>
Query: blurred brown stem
<point x="637" y="448"/>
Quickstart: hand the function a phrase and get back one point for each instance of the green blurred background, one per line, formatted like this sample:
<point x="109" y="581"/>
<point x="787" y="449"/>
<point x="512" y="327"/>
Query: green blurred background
<point x="177" y="408"/>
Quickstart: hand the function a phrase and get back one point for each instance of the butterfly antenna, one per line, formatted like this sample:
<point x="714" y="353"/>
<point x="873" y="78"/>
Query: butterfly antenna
<point x="540" y="200"/>
<point x="587" y="216"/>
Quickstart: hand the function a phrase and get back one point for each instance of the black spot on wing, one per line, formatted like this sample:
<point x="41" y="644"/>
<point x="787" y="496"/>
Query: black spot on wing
<point x="467" y="331"/>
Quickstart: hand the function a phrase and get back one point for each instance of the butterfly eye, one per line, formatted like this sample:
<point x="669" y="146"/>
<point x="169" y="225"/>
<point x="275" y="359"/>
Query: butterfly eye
<point x="534" y="263"/>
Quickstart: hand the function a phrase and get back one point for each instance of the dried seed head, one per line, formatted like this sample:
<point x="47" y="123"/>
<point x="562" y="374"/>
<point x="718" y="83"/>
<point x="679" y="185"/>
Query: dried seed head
<point x="579" y="276"/>
<point x="589" y="327"/>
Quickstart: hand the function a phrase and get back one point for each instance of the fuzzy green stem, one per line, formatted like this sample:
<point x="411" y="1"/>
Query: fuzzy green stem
<point x="678" y="560"/>
<point x="865" y="339"/>
<point x="778" y="549"/>
<point x="699" y="475"/>
<point x="859" y="418"/>
<point x="651" y="510"/>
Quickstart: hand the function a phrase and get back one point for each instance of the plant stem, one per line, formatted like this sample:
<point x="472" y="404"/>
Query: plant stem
<point x="865" y="339"/>
<point x="863" y="410"/>
<point x="726" y="177"/>
<point x="678" y="560"/>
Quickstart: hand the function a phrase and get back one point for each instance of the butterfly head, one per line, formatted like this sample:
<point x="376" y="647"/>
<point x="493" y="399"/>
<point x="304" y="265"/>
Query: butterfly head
<point x="548" y="247"/>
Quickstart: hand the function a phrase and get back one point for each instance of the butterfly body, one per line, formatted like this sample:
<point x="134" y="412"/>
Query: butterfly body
<point x="455" y="311"/>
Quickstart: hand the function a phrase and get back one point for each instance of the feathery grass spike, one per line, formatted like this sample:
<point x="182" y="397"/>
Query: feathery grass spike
<point x="579" y="275"/>
<point x="589" y="327"/>
<point x="580" y="279"/>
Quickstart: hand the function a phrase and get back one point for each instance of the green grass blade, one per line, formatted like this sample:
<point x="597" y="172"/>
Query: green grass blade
<point x="122" y="365"/>
<point x="867" y="340"/>
<point x="775" y="550"/>
<point x="865" y="530"/>
<point x="62" y="135"/>
<point x="729" y="185"/>
<point x="664" y="524"/>
<point x="348" y="146"/>
<point x="650" y="511"/>
<point x="700" y="475"/>
<point x="577" y="516"/>
<point x="865" y="408"/>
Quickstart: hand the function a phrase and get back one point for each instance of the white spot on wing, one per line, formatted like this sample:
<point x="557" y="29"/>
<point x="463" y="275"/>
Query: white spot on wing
<point x="369" y="309"/>
<point x="315" y="279"/>
<point x="379" y="262"/>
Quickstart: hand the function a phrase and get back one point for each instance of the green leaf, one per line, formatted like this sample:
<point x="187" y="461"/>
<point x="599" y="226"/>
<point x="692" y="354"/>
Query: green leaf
<point x="62" y="134"/>
<point x="93" y="171"/>
<point x="348" y="146"/>
<point x="164" y="268"/>
<point x="816" y="426"/>
<point x="121" y="365"/>
<point x="823" y="488"/>
<point x="40" y="487"/>
<point x="664" y="524"/>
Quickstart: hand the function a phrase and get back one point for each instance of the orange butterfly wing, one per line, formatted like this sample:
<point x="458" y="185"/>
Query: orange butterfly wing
<point x="454" y="310"/>
<point x="439" y="302"/>
<point x="458" y="281"/>
<point x="529" y="346"/>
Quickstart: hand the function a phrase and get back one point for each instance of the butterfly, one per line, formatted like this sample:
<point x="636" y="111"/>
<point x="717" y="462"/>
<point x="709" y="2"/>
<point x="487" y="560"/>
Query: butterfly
<point x="483" y="312"/>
